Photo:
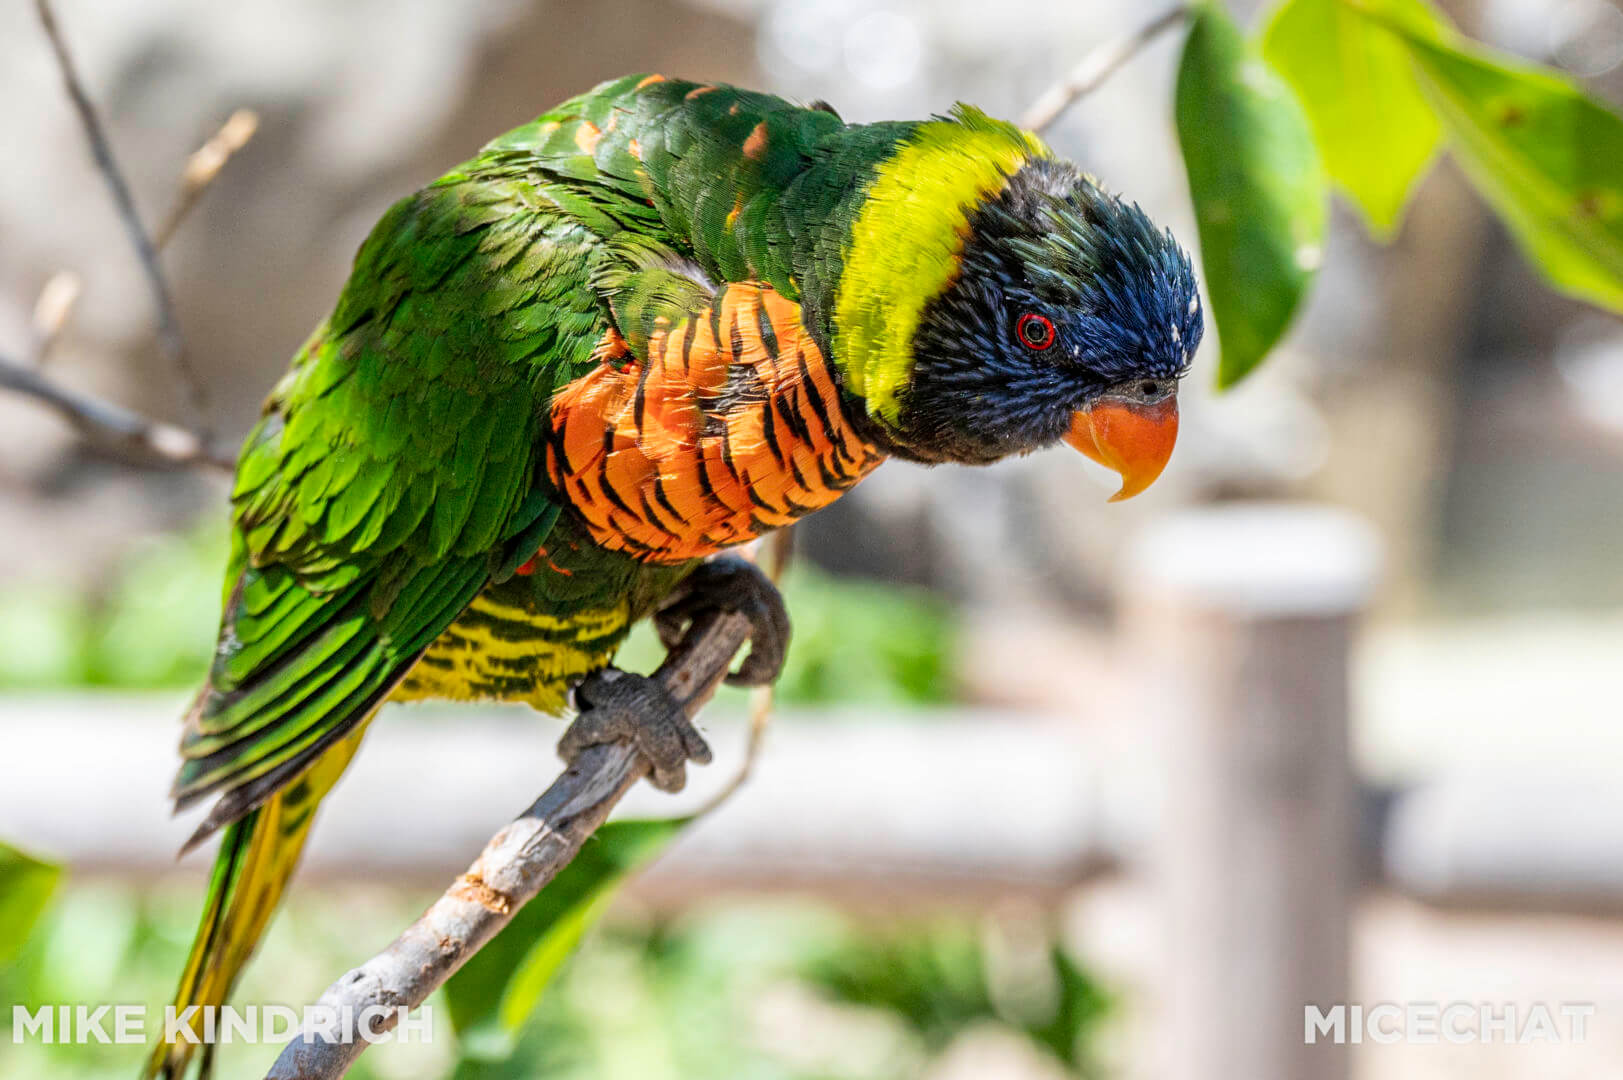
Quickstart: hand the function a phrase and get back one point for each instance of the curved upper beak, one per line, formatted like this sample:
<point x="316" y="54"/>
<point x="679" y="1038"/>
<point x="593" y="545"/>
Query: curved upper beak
<point x="1130" y="431"/>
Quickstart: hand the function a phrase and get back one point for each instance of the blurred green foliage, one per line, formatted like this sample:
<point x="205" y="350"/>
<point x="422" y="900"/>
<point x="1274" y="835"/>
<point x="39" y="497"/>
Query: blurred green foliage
<point x="26" y="885"/>
<point x="754" y="990"/>
<point x="152" y="627"/>
<point x="790" y="992"/>
<point x="938" y="980"/>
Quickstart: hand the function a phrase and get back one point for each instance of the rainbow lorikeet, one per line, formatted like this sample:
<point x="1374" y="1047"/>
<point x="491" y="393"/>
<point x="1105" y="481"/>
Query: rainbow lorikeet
<point x="661" y="320"/>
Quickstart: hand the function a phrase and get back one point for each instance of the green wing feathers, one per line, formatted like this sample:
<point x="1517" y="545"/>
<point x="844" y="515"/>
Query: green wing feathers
<point x="392" y="473"/>
<point x="395" y="473"/>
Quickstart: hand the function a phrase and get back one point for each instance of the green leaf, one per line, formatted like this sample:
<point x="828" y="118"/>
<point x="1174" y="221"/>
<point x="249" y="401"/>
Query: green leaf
<point x="494" y="994"/>
<point x="931" y="976"/>
<point x="1374" y="127"/>
<point x="1070" y="1033"/>
<point x="26" y="885"/>
<point x="1546" y="156"/>
<point x="1258" y="188"/>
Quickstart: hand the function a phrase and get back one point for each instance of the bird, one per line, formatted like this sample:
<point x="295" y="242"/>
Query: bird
<point x="562" y="380"/>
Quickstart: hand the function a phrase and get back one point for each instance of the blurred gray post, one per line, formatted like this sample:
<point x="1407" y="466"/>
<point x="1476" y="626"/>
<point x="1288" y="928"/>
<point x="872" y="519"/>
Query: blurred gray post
<point x="1242" y="617"/>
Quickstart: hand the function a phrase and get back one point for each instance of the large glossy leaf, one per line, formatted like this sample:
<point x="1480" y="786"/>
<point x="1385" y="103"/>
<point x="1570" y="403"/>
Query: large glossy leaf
<point x="1546" y="156"/>
<point x="26" y="885"/>
<point x="1375" y="129"/>
<point x="1258" y="188"/>
<point x="494" y="994"/>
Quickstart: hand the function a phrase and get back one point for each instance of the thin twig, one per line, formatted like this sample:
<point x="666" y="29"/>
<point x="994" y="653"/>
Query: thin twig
<point x="203" y="166"/>
<point x="1095" y="68"/>
<point x="773" y="557"/>
<point x="169" y="337"/>
<point x="113" y="425"/>
<point x="517" y="863"/>
<point x="51" y="311"/>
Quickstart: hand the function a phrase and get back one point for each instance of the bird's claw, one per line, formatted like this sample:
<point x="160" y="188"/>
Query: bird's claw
<point x="618" y="706"/>
<point x="733" y="585"/>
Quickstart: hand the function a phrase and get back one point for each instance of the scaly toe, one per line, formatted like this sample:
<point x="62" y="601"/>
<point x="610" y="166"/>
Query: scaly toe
<point x="618" y="706"/>
<point x="733" y="584"/>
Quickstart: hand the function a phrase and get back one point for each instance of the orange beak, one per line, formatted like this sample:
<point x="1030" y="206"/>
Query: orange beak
<point x="1131" y="436"/>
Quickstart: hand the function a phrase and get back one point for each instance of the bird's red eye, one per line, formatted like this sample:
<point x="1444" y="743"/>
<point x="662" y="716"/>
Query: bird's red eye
<point x="1035" y="331"/>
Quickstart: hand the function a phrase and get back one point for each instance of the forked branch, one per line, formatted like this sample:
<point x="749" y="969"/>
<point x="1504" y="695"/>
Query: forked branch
<point x="169" y="339"/>
<point x="102" y="422"/>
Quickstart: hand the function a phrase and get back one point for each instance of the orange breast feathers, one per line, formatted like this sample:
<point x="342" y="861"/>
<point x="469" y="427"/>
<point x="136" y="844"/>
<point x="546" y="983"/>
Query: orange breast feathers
<point x="731" y="429"/>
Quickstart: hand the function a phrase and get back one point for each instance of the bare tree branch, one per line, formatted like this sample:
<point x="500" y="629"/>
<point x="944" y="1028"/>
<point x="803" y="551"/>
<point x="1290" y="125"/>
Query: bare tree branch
<point x="169" y="337"/>
<point x="112" y="425"/>
<point x="1095" y="68"/>
<point x="517" y="863"/>
<point x="104" y="423"/>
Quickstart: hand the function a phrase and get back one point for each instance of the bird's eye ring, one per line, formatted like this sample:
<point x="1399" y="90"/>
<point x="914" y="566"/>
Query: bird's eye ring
<point x="1036" y="332"/>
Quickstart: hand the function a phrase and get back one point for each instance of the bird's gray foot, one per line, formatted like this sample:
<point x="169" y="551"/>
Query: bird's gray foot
<point x="618" y="706"/>
<point x="732" y="585"/>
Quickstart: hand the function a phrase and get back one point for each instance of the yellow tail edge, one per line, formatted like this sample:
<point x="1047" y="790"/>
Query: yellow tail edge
<point x="258" y="855"/>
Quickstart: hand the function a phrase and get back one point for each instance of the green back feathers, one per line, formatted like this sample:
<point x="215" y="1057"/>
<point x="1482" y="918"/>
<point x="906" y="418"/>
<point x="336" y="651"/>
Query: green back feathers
<point x="730" y="177"/>
<point x="861" y="223"/>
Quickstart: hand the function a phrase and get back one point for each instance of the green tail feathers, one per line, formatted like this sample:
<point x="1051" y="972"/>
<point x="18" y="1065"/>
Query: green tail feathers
<point x="258" y="854"/>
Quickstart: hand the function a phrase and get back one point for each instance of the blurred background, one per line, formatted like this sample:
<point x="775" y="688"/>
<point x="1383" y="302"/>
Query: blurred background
<point x="1054" y="788"/>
